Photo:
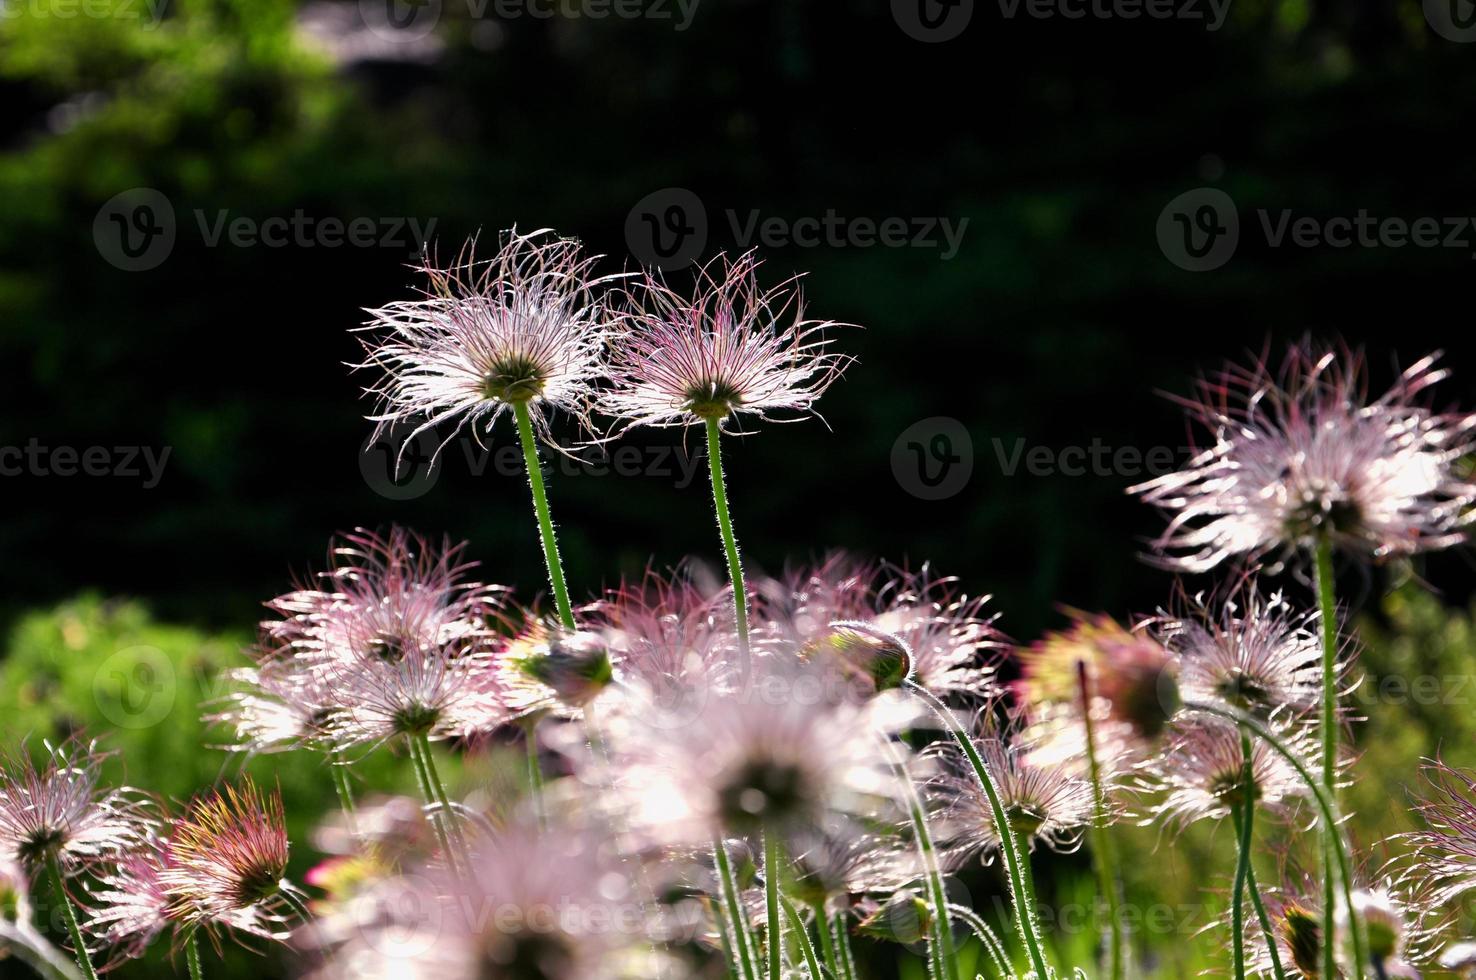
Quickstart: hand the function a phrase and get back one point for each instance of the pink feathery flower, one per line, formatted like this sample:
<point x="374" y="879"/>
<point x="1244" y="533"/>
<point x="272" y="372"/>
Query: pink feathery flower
<point x="732" y="348"/>
<point x="398" y="640"/>
<point x="1045" y="801"/>
<point x="60" y="812"/>
<point x="129" y="908"/>
<point x="1301" y="454"/>
<point x="1201" y="771"/>
<point x="523" y="328"/>
<point x="1253" y="652"/>
<point x="888" y="623"/>
<point x="1443" y="854"/>
<point x="226" y="860"/>
<point x="556" y="904"/>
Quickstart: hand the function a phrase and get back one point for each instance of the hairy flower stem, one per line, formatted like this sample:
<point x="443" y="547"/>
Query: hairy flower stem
<point x="941" y="953"/>
<point x="1027" y="920"/>
<point x="802" y="936"/>
<point x="1243" y="857"/>
<point x="441" y="817"/>
<point x="742" y="940"/>
<point x="843" y="946"/>
<point x="773" y="858"/>
<point x="192" y="955"/>
<point x="1277" y="970"/>
<point x="725" y="527"/>
<point x="992" y="946"/>
<point x="339" y="769"/>
<point x="545" y="522"/>
<point x="84" y="961"/>
<point x="827" y="941"/>
<point x="1327" y="606"/>
<point x="1328" y="809"/>
<point x="1104" y="853"/>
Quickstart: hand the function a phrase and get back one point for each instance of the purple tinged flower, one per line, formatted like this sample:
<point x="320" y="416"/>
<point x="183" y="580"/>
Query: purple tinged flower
<point x="1301" y="454"/>
<point x="59" y="811"/>
<point x="398" y="640"/>
<point x="1442" y="857"/>
<point x="732" y="348"/>
<point x="782" y="754"/>
<point x="225" y="862"/>
<point x="1200" y="771"/>
<point x="886" y="624"/>
<point x="130" y="905"/>
<point x="1045" y="801"/>
<point x="523" y="328"/>
<point x="551" y="905"/>
<point x="1255" y="653"/>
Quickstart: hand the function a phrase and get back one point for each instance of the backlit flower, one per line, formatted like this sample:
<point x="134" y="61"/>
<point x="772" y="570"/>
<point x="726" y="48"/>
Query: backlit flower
<point x="1301" y="454"/>
<point x="732" y="348"/>
<point x="60" y="811"/>
<point x="523" y="328"/>
<point x="1443" y="854"/>
<point x="1200" y="771"/>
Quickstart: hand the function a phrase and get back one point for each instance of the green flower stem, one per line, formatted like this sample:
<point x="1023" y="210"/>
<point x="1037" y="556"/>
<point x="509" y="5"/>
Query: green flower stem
<point x="942" y="954"/>
<point x="773" y="859"/>
<point x="1328" y="809"/>
<point x="439" y="818"/>
<point x="1027" y="920"/>
<point x="535" y="773"/>
<point x="734" y="910"/>
<point x="545" y="522"/>
<point x="827" y="941"/>
<point x="730" y="955"/>
<point x="192" y="955"/>
<point x="1242" y="859"/>
<point x="725" y="527"/>
<point x="345" y="791"/>
<point x="843" y="946"/>
<point x="433" y="779"/>
<point x="992" y="946"/>
<point x="84" y="961"/>
<point x="1277" y="970"/>
<point x="1327" y="606"/>
<point x="802" y="935"/>
<point x="1104" y="853"/>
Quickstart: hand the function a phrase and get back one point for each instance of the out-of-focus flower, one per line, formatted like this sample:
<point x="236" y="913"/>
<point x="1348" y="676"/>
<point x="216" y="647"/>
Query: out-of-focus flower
<point x="555" y="905"/>
<point x="226" y="861"/>
<point x="280" y="705"/>
<point x="1254" y="653"/>
<point x="60" y="812"/>
<point x="782" y="755"/>
<point x="14" y="892"/>
<point x="130" y="906"/>
<point x="551" y="664"/>
<point x="1200" y="771"/>
<point x="1131" y="676"/>
<point x="1301" y="454"/>
<point x="733" y="348"/>
<point x="1046" y="802"/>
<point x="883" y="624"/>
<point x="524" y="328"/>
